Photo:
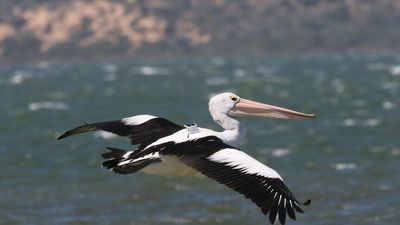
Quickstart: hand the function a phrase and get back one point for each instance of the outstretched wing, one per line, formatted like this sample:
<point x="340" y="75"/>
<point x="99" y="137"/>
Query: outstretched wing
<point x="141" y="129"/>
<point x="239" y="171"/>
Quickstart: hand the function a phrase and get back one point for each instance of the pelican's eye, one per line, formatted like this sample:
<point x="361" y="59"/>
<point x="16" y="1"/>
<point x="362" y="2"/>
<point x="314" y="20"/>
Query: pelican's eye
<point x="234" y="98"/>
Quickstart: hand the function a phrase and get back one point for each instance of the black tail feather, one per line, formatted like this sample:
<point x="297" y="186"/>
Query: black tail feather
<point x="115" y="156"/>
<point x="134" y="167"/>
<point x="115" y="153"/>
<point x="109" y="164"/>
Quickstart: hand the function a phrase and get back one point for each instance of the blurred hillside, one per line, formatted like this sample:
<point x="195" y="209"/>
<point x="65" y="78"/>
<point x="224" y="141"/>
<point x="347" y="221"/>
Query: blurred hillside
<point x="49" y="29"/>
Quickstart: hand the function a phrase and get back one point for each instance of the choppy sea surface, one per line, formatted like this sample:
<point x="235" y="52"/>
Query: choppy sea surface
<point x="347" y="160"/>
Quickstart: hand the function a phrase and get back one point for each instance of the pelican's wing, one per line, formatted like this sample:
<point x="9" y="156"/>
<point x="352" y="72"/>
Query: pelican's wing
<point x="141" y="129"/>
<point x="239" y="171"/>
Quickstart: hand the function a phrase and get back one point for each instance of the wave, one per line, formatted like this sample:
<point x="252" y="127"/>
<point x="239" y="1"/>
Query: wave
<point x="34" y="106"/>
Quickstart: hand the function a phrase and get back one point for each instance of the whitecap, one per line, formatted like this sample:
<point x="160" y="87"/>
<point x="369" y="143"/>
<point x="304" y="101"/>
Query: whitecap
<point x="386" y="104"/>
<point x="43" y="65"/>
<point x="349" y="122"/>
<point x="395" y="152"/>
<point x="280" y="152"/>
<point x="345" y="166"/>
<point x="34" y="106"/>
<point x="372" y="122"/>
<point x="395" y="70"/>
<point x="338" y="84"/>
<point x="104" y="135"/>
<point x="110" y="68"/>
<point x="385" y="187"/>
<point x="277" y="152"/>
<point x="20" y="76"/>
<point x="239" y="73"/>
<point x="151" y="71"/>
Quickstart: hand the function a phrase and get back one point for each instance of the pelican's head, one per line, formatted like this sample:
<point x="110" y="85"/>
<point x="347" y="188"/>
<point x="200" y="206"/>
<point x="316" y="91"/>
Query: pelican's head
<point x="232" y="105"/>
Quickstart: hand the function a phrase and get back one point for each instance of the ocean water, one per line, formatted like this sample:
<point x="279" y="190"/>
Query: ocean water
<point x="347" y="160"/>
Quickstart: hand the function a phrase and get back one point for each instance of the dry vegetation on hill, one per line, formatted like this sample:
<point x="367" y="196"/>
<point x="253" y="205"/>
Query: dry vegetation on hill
<point x="45" y="29"/>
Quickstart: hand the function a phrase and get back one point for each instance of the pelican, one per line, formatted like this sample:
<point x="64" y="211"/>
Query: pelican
<point x="166" y="148"/>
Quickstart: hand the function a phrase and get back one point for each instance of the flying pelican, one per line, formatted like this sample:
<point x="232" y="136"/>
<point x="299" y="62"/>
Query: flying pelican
<point x="166" y="148"/>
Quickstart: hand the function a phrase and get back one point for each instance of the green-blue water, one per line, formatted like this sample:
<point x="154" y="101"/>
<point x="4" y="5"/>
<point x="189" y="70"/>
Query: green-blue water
<point x="347" y="160"/>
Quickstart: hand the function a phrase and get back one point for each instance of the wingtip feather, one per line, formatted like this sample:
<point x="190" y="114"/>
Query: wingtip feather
<point x="81" y="129"/>
<point x="67" y="134"/>
<point x="61" y="137"/>
<point x="307" y="202"/>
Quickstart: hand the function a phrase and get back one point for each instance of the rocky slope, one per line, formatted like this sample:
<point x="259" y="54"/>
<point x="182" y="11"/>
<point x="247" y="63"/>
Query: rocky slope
<point x="48" y="29"/>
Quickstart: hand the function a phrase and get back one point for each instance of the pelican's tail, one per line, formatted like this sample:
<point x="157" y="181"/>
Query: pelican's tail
<point x="119" y="161"/>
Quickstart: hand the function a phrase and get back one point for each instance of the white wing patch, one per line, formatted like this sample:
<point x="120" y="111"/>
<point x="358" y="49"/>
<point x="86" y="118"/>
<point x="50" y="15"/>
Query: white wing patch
<point x="183" y="136"/>
<point x="240" y="160"/>
<point x="130" y="161"/>
<point x="136" y="120"/>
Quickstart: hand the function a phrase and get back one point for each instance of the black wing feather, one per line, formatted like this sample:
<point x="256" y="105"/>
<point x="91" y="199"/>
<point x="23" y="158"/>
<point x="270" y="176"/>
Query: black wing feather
<point x="273" y="211"/>
<point x="282" y="212"/>
<point x="143" y="134"/>
<point x="290" y="211"/>
<point x="253" y="187"/>
<point x="265" y="192"/>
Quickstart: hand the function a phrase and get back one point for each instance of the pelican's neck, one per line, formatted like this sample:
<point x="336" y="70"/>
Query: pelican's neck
<point x="234" y="131"/>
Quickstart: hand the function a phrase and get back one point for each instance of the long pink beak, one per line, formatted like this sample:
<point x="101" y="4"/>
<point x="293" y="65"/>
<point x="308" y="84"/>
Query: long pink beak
<point x="251" y="108"/>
